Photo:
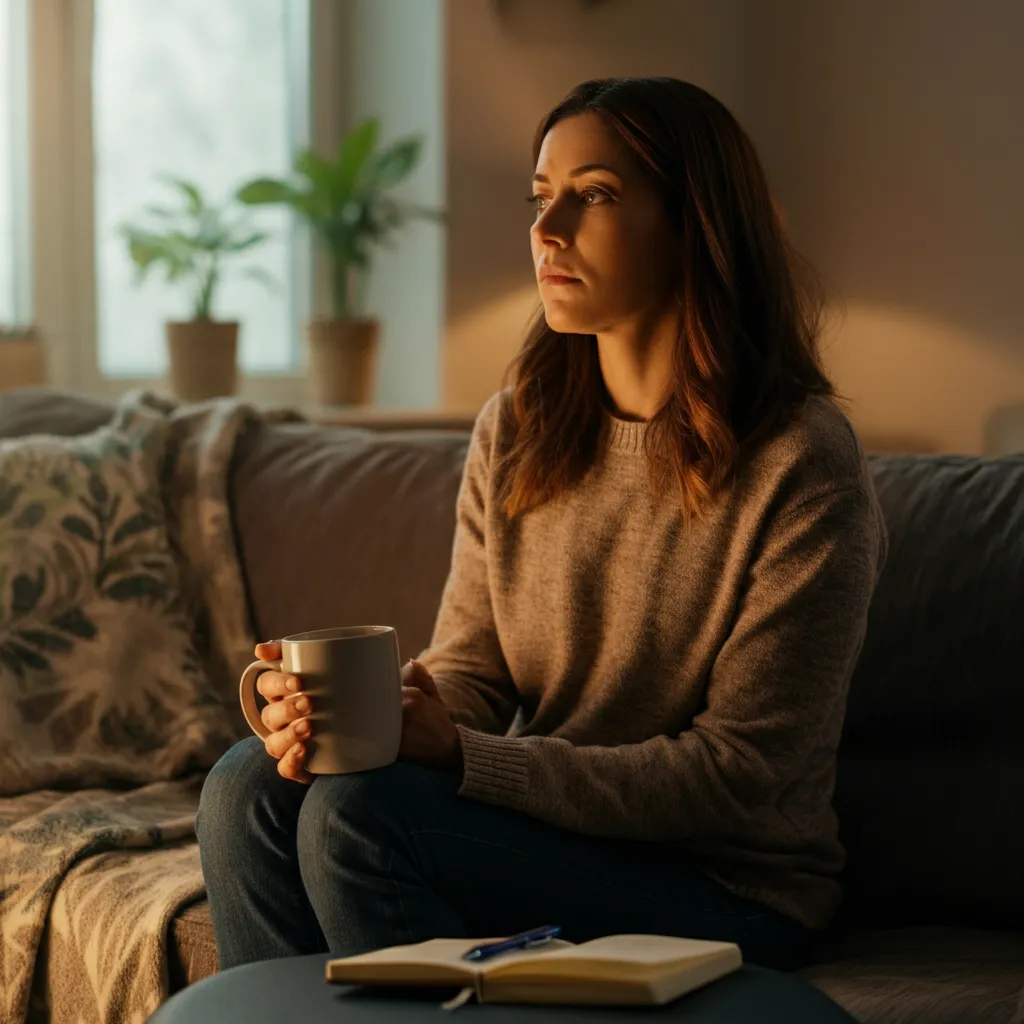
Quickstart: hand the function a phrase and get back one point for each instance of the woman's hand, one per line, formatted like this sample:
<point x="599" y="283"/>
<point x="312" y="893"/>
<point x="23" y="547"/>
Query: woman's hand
<point x="286" y="719"/>
<point x="429" y="735"/>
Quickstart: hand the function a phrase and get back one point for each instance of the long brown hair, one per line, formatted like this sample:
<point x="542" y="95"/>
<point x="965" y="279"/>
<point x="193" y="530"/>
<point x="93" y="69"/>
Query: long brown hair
<point x="747" y="356"/>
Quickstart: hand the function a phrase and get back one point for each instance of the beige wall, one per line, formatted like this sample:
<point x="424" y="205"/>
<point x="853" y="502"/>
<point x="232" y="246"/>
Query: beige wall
<point x="891" y="132"/>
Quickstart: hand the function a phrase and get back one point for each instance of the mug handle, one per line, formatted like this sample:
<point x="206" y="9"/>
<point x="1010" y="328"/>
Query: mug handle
<point x="247" y="694"/>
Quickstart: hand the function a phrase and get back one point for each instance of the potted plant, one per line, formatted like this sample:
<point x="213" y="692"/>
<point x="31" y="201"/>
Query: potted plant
<point x="22" y="357"/>
<point x="344" y="201"/>
<point x="192" y="242"/>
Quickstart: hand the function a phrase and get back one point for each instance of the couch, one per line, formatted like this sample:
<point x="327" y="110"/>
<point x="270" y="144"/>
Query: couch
<point x="930" y="788"/>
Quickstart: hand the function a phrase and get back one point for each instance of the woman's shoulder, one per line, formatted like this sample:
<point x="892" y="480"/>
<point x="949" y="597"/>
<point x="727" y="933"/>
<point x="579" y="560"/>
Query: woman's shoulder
<point x="816" y="451"/>
<point x="495" y="422"/>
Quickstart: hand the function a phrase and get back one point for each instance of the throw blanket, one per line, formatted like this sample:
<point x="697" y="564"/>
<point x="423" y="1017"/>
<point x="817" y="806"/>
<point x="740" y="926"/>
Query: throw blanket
<point x="90" y="880"/>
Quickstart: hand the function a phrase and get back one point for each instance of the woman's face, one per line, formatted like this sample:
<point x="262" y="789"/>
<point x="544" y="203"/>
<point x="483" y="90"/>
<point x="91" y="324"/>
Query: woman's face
<point x="602" y="228"/>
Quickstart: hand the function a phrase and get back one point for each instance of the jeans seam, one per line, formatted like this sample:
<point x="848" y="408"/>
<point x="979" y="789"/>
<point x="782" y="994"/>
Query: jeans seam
<point x="579" y="874"/>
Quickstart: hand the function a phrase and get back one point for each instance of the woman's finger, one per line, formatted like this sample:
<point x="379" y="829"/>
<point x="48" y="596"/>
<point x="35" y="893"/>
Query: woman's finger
<point x="293" y="765"/>
<point x="270" y="651"/>
<point x="420" y="677"/>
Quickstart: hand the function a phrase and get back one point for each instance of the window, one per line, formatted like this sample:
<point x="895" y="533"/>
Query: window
<point x="14" y="257"/>
<point x="215" y="93"/>
<point x="118" y="92"/>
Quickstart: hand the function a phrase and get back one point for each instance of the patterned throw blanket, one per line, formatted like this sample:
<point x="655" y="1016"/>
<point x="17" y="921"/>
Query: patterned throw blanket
<point x="90" y="878"/>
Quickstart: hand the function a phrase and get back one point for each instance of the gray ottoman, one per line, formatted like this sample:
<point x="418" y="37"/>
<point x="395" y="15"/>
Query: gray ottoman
<point x="293" y="989"/>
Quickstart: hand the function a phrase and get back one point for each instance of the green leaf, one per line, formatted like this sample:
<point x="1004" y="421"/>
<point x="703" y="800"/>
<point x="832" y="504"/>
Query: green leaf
<point x="30" y="515"/>
<point x="212" y="235"/>
<point x="138" y="523"/>
<point x="325" y="179"/>
<point x="131" y="587"/>
<point x="192" y="194"/>
<point x="75" y="622"/>
<point x="246" y="242"/>
<point x="353" y="152"/>
<point x="392" y="165"/>
<point x="263" y="276"/>
<point x="267" y="190"/>
<point x="79" y="527"/>
<point x="174" y="249"/>
<point x="142" y="252"/>
<point x="44" y="641"/>
<point x="26" y="591"/>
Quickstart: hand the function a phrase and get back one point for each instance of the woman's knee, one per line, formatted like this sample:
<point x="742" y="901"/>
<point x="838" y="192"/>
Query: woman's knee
<point x="360" y="805"/>
<point x="244" y="775"/>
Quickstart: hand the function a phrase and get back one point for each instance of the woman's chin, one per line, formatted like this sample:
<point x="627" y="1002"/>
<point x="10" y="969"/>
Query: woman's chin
<point x="565" y="322"/>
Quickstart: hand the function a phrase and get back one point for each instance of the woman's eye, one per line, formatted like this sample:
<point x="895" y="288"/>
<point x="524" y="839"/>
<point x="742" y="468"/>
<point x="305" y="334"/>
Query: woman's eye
<point x="589" y="197"/>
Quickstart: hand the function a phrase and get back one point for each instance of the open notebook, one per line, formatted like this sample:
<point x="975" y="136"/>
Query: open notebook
<point x="624" y="970"/>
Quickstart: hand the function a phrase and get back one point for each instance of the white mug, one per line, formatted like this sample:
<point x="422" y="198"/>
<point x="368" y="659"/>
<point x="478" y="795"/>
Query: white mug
<point x="353" y="678"/>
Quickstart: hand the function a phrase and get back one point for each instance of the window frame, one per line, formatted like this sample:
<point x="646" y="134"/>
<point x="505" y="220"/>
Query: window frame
<point x="63" y="258"/>
<point x="15" y="82"/>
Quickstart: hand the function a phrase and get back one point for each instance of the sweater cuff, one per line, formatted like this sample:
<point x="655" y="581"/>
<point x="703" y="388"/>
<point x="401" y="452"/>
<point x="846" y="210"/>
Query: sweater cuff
<point x="495" y="768"/>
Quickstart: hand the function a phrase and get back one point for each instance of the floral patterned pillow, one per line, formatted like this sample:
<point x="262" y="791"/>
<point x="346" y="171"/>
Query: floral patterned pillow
<point x="100" y="683"/>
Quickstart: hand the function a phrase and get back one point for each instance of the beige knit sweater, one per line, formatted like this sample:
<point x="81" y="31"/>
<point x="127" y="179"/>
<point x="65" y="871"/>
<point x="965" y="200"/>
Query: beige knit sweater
<point x="683" y="685"/>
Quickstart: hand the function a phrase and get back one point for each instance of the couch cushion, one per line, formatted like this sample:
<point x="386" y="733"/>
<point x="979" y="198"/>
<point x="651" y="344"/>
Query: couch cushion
<point x="931" y="768"/>
<point x="341" y="526"/>
<point x="100" y="681"/>
<point x="933" y="975"/>
<point x="45" y="411"/>
<point x="191" y="949"/>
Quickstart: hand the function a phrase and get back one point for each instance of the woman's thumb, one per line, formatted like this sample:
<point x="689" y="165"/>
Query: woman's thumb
<point x="422" y="679"/>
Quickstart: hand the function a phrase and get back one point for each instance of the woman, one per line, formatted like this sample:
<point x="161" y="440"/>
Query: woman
<point x="666" y="544"/>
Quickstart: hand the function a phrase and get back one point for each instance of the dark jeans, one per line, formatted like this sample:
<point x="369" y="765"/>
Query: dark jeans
<point x="395" y="856"/>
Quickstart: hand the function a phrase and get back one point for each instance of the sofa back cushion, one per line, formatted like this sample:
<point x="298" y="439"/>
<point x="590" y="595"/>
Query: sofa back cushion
<point x="931" y="767"/>
<point x="48" y="411"/>
<point x="341" y="526"/>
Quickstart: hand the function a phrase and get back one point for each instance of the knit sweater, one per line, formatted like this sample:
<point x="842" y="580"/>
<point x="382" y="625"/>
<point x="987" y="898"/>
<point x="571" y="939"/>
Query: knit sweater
<point x="617" y="673"/>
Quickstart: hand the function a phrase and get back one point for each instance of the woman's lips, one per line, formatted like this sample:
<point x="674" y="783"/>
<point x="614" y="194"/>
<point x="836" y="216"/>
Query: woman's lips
<point x="558" y="279"/>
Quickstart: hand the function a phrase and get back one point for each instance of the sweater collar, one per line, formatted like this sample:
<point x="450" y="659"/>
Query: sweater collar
<point x="626" y="435"/>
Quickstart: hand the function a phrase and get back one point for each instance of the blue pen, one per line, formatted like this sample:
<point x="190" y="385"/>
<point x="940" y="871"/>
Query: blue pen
<point x="524" y="940"/>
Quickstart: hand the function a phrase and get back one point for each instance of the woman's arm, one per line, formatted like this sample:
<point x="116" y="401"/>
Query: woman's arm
<point x="465" y="656"/>
<point x="775" y="701"/>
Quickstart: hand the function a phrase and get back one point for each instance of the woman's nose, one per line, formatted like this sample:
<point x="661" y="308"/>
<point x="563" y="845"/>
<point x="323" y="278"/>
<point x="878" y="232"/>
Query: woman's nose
<point x="553" y="228"/>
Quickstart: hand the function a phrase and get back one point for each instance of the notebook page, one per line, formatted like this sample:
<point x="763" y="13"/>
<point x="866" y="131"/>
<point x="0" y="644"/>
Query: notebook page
<point x="437" y="957"/>
<point x="642" y="949"/>
<point x="620" y="959"/>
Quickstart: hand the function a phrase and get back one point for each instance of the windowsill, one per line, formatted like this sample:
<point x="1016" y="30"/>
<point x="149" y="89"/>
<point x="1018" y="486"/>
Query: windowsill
<point x="382" y="418"/>
<point x="291" y="391"/>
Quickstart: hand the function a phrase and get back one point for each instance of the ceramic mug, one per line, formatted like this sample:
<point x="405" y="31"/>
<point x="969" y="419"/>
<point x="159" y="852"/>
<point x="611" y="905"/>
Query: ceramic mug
<point x="353" y="677"/>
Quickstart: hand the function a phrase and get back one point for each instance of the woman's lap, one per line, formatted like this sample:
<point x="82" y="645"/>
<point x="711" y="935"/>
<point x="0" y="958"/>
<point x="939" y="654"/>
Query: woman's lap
<point x="458" y="866"/>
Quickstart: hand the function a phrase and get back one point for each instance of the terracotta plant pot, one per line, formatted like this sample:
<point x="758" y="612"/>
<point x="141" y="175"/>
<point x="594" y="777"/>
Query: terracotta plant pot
<point x="343" y="361"/>
<point x="22" y="362"/>
<point x="204" y="359"/>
